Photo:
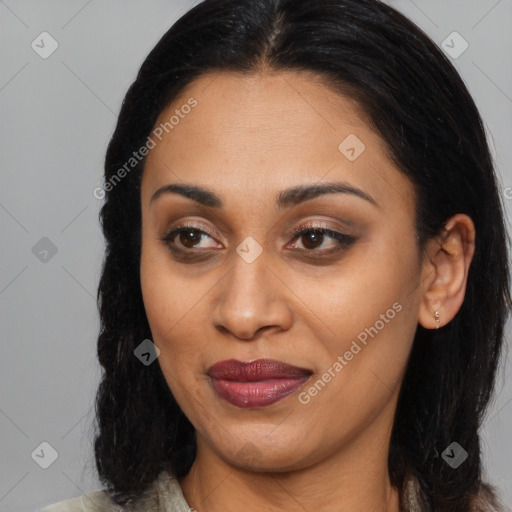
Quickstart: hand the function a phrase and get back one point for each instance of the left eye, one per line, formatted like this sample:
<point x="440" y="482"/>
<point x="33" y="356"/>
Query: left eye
<point x="312" y="238"/>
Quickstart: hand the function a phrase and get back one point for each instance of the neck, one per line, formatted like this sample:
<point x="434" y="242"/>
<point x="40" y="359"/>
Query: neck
<point x="352" y="479"/>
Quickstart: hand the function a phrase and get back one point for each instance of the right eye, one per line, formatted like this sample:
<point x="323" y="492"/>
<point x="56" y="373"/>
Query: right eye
<point x="188" y="237"/>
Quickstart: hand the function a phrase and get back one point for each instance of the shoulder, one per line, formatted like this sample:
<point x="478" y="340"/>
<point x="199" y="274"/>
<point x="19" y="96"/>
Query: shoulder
<point x="96" y="501"/>
<point x="164" y="495"/>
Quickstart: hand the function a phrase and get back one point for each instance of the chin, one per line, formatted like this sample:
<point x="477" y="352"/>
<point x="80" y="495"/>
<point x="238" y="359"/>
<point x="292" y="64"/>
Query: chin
<point x="263" y="453"/>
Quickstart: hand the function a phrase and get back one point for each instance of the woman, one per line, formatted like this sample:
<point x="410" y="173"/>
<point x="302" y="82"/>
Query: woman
<point x="305" y="283"/>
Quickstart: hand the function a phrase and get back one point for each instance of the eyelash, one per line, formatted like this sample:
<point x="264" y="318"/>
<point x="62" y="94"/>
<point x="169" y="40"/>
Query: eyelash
<point x="343" y="239"/>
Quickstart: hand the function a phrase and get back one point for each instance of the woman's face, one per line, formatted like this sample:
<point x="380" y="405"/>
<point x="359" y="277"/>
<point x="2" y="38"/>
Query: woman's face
<point x="335" y="311"/>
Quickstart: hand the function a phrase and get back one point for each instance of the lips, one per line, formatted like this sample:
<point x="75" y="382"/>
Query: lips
<point x="256" y="383"/>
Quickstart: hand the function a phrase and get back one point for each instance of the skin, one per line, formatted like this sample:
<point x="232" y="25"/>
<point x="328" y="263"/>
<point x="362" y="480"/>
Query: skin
<point x="249" y="138"/>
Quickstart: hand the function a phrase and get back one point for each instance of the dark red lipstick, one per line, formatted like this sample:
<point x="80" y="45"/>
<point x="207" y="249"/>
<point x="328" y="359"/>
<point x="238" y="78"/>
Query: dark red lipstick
<point x="256" y="383"/>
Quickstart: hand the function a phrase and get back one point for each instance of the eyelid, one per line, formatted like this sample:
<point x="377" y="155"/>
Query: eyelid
<point x="312" y="225"/>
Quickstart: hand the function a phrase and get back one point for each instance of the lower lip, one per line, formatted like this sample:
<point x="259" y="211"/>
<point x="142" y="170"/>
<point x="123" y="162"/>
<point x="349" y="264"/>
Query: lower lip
<point x="257" y="393"/>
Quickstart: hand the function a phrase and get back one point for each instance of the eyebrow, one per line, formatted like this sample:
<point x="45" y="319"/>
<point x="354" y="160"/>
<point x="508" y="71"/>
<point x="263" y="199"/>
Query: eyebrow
<point x="287" y="198"/>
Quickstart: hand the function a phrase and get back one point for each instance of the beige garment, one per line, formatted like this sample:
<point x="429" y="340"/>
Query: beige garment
<point x="410" y="499"/>
<point x="165" y="495"/>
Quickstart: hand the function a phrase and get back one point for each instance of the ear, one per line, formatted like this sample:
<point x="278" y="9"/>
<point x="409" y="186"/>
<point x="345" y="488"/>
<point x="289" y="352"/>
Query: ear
<point x="445" y="271"/>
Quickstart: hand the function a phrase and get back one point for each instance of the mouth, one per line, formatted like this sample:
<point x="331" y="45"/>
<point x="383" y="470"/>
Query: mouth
<point x="256" y="383"/>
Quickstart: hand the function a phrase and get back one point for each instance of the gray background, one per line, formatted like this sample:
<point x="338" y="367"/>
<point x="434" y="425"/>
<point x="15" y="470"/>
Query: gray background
<point x="57" y="115"/>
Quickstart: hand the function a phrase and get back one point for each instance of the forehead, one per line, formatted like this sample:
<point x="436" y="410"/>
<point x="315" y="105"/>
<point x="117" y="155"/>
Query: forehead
<point x="267" y="131"/>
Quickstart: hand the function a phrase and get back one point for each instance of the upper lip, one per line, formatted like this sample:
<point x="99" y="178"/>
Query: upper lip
<point x="259" y="369"/>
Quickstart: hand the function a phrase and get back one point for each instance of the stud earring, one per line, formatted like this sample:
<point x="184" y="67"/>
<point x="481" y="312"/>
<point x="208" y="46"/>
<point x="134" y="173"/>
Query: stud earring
<point x="436" y="318"/>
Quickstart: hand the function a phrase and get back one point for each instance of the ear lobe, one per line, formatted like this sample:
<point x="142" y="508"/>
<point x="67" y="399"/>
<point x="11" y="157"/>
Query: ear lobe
<point x="445" y="270"/>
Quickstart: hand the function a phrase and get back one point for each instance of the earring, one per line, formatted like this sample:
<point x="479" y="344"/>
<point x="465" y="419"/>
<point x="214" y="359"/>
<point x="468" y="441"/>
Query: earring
<point x="436" y="318"/>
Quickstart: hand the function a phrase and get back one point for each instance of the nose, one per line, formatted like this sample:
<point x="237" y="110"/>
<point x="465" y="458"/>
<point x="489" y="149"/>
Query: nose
<point x="251" y="298"/>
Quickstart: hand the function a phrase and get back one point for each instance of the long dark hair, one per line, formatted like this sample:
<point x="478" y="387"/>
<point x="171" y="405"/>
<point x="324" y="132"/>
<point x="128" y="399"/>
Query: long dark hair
<point x="418" y="103"/>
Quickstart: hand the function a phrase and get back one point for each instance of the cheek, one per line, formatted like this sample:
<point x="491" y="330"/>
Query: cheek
<point x="354" y="295"/>
<point x="168" y="301"/>
<point x="371" y="315"/>
<point x="171" y="308"/>
<point x="167" y="295"/>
